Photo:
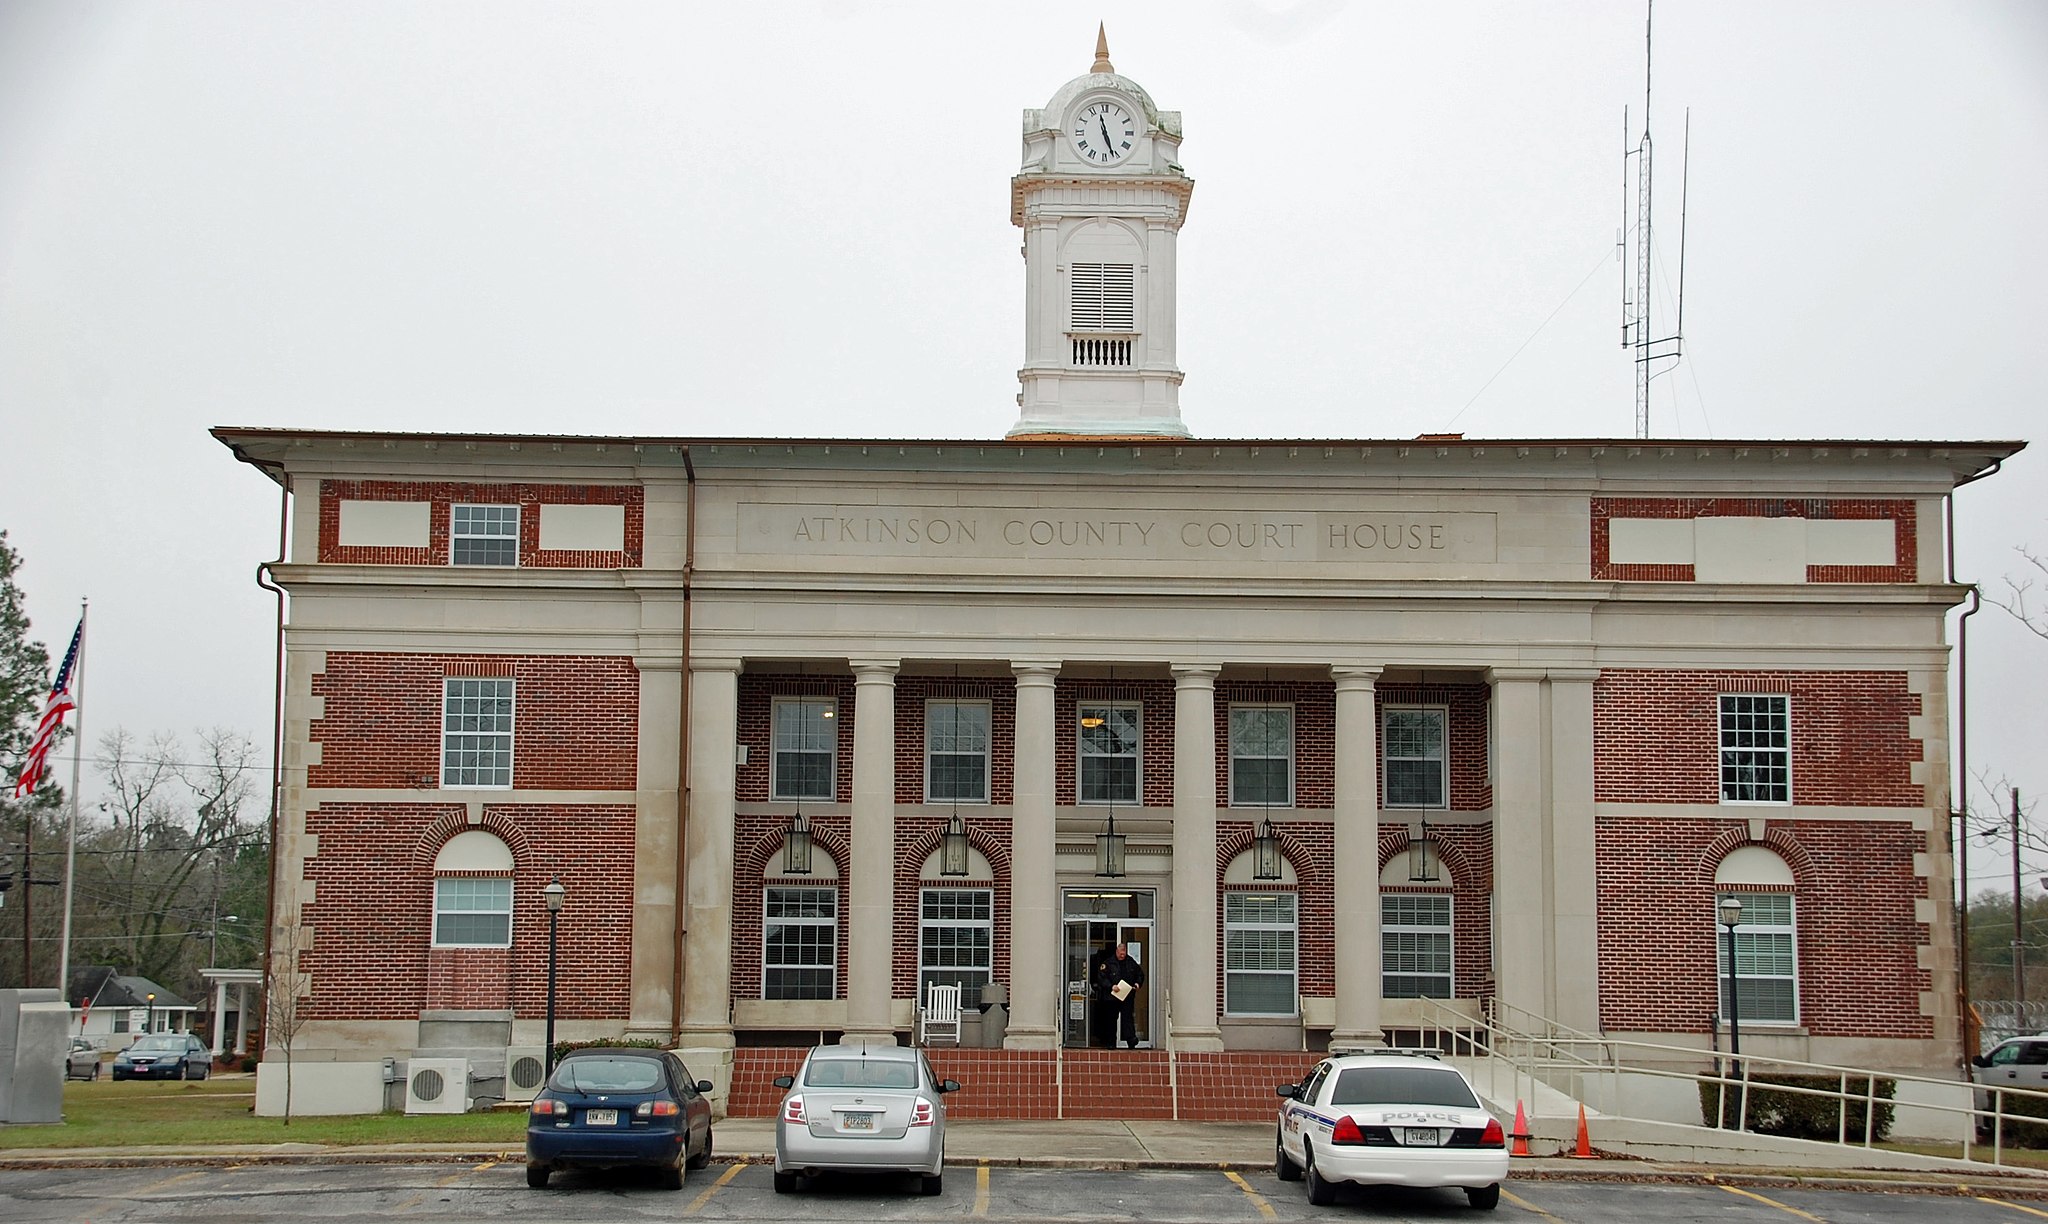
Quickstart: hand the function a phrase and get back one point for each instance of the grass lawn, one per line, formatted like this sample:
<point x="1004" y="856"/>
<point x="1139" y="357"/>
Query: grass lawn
<point x="2017" y="1157"/>
<point x="147" y="1113"/>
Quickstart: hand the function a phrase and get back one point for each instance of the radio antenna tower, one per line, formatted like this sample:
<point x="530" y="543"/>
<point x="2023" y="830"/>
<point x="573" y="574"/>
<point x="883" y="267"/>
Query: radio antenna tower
<point x="1653" y="354"/>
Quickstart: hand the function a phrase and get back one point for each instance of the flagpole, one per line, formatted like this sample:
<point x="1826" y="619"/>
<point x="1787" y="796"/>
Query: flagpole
<point x="71" y="837"/>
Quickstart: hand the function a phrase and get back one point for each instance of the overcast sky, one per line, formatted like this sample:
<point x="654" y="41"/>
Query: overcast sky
<point x="794" y="219"/>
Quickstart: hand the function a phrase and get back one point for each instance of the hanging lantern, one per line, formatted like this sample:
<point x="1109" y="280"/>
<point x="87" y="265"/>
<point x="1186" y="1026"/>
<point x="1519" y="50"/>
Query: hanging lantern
<point x="1422" y="857"/>
<point x="796" y="847"/>
<point x="953" y="847"/>
<point x="1266" y="861"/>
<point x="1109" y="851"/>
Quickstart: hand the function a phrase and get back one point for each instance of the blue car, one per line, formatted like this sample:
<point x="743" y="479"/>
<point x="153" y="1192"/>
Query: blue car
<point x="610" y="1107"/>
<point x="164" y="1056"/>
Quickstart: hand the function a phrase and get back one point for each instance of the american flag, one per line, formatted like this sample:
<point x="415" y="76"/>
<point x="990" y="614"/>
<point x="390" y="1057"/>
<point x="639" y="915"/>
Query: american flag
<point x="54" y="710"/>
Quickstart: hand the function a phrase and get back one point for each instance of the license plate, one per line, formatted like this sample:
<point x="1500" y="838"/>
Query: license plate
<point x="1418" y="1136"/>
<point x="600" y="1117"/>
<point x="856" y="1121"/>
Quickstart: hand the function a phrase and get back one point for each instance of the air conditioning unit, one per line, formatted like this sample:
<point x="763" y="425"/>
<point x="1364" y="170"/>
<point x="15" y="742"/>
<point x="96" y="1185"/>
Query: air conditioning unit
<point x="526" y="1070"/>
<point x="437" y="1085"/>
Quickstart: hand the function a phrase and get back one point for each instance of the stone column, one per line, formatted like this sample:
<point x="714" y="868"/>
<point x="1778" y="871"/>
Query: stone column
<point x="656" y="829"/>
<point x="1355" y="900"/>
<point x="1034" y="886"/>
<point x="871" y="866"/>
<point x="1521" y="855"/>
<point x="1575" y="963"/>
<point x="1192" y="988"/>
<point x="241" y="1019"/>
<point x="220" y="1015"/>
<point x="707" y="844"/>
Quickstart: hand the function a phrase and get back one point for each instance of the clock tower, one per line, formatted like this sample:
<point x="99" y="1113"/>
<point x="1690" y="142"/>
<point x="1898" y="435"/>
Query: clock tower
<point x="1100" y="199"/>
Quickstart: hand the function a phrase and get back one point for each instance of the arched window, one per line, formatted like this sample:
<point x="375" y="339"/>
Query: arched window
<point x="1415" y="927"/>
<point x="956" y="928"/>
<point x="1764" y="987"/>
<point x="473" y="892"/>
<point x="1261" y="940"/>
<point x="800" y="931"/>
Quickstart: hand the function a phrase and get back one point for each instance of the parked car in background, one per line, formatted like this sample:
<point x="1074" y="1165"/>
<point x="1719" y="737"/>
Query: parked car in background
<point x="609" y="1107"/>
<point x="1388" y="1118"/>
<point x="2016" y="1062"/>
<point x="862" y="1107"/>
<point x="164" y="1056"/>
<point x="82" y="1061"/>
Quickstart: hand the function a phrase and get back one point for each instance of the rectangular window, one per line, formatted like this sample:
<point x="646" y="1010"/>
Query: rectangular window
<point x="476" y="732"/>
<point x="1104" y="297"/>
<point x="1109" y="753"/>
<point x="799" y="943"/>
<point x="483" y="535"/>
<point x="1756" y="748"/>
<point x="1413" y="747"/>
<point x="1766" y="970"/>
<point x="956" y="751"/>
<point x="1261" y="756"/>
<point x="1415" y="945"/>
<point x="956" y="938"/>
<point x="1258" y="954"/>
<point x="473" y="912"/>
<point x="806" y="748"/>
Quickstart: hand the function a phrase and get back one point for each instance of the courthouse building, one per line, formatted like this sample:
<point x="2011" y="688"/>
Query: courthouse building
<point x="1341" y="736"/>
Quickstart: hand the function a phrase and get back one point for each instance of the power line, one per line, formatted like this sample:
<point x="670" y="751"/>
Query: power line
<point x="1597" y="265"/>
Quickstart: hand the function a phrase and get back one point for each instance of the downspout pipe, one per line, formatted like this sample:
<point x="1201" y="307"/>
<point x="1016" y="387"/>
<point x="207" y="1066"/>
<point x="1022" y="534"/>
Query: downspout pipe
<point x="1959" y="788"/>
<point x="683" y="758"/>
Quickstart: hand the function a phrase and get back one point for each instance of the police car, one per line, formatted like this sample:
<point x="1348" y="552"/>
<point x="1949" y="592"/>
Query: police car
<point x="1388" y="1118"/>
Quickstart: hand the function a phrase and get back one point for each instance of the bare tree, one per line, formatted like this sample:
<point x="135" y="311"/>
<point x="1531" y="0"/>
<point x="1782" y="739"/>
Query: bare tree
<point x="285" y="990"/>
<point x="2019" y="594"/>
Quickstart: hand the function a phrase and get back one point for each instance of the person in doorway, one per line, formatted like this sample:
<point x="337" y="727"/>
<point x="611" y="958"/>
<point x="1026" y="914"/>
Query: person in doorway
<point x="1126" y="973"/>
<point x="1101" y="980"/>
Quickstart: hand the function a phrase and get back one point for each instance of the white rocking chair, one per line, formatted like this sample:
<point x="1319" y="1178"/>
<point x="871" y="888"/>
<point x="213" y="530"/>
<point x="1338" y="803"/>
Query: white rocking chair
<point x="940" y="1016"/>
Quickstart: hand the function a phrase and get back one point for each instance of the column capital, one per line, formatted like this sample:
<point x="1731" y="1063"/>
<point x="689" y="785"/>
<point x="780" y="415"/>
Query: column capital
<point x="658" y="663"/>
<point x="1195" y="675"/>
<point x="1529" y="675"/>
<point x="715" y="663"/>
<point x="1035" y="671"/>
<point x="870" y="671"/>
<point x="1572" y="675"/>
<point x="1353" y="675"/>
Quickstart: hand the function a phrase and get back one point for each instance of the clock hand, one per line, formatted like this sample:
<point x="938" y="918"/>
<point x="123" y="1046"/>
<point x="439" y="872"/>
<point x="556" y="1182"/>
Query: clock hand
<point x="1102" y="123"/>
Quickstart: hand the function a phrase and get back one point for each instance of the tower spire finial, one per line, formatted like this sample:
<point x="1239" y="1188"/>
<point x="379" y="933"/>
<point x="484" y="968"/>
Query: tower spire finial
<point x="1102" y="63"/>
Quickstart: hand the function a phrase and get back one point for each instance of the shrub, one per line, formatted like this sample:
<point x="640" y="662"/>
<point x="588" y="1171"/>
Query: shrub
<point x="637" y="1043"/>
<point x="1798" y="1115"/>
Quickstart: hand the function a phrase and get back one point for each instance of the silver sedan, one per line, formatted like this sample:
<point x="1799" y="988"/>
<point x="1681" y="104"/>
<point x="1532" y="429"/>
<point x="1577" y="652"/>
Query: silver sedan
<point x="862" y="1107"/>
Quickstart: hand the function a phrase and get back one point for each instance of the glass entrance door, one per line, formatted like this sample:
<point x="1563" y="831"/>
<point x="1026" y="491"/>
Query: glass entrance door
<point x="1096" y="920"/>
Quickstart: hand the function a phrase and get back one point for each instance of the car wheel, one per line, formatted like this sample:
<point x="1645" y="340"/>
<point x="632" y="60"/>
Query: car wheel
<point x="537" y="1177"/>
<point x="1485" y="1198"/>
<point x="185" y="1070"/>
<point x="932" y="1183"/>
<point x="784" y="1182"/>
<point x="672" y="1177"/>
<point x="1284" y="1167"/>
<point x="704" y="1157"/>
<point x="95" y="1076"/>
<point x="1320" y="1192"/>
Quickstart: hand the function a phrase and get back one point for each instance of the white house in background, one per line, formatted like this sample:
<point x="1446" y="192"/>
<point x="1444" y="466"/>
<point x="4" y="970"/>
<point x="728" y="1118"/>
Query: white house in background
<point x="112" y="1009"/>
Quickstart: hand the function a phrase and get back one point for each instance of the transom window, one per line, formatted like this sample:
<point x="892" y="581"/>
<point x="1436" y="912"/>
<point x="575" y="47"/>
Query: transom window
<point x="956" y="936"/>
<point x="483" y="535"/>
<point x="1261" y="756"/>
<point x="1109" y="744"/>
<point x="1766" y="982"/>
<point x="806" y="748"/>
<point x="1104" y="296"/>
<point x="956" y="737"/>
<point x="473" y="912"/>
<point x="799" y="943"/>
<point x="476" y="732"/>
<point x="1413" y="751"/>
<point x="1415" y="945"/>
<point x="1756" y="748"/>
<point x="1259" y="954"/>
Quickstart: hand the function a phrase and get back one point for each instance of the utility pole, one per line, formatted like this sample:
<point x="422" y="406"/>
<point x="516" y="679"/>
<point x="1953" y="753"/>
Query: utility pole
<point x="2019" y="972"/>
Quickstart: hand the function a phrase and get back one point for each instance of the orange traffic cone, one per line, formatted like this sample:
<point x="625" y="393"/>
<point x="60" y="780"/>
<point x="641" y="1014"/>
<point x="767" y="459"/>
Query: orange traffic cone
<point x="1521" y="1147"/>
<point x="1584" y="1151"/>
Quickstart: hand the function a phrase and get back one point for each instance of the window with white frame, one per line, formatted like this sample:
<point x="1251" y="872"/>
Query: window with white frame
<point x="1109" y="743"/>
<point x="955" y="941"/>
<point x="956" y="751"/>
<point x="1412" y="750"/>
<point x="1415" y="945"/>
<point x="473" y="912"/>
<point x="476" y="732"/>
<point x="1765" y="987"/>
<point x="1261" y="756"/>
<point x="806" y="748"/>
<point x="799" y="943"/>
<point x="1259" y="946"/>
<point x="1756" y="748"/>
<point x="483" y="535"/>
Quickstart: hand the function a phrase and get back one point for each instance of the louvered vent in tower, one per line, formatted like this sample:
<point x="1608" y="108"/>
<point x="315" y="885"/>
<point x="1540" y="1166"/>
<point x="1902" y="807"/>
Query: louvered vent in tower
<point x="1105" y="297"/>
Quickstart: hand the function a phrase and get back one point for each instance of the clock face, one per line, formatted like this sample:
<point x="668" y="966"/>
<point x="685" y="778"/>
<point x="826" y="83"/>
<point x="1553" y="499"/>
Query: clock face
<point x="1104" y="133"/>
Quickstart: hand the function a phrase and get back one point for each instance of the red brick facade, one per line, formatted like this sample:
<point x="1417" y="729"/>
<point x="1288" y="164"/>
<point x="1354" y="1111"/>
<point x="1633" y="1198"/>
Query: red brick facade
<point x="1656" y="736"/>
<point x="1902" y="514"/>
<point x="442" y="494"/>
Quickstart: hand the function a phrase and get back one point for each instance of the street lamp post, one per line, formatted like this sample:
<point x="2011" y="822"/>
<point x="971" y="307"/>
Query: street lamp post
<point x="555" y="895"/>
<point x="1731" y="915"/>
<point x="149" y="1014"/>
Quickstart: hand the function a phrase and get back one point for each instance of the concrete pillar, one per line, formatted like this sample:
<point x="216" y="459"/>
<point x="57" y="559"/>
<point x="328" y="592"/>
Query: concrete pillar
<point x="1356" y="854"/>
<point x="656" y="829"/>
<point x="707" y="839"/>
<point x="241" y="1019"/>
<point x="871" y="875"/>
<point x="1035" y="993"/>
<point x="1521" y="854"/>
<point x="1575" y="967"/>
<point x="1192" y="989"/>
<point x="220" y="1017"/>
